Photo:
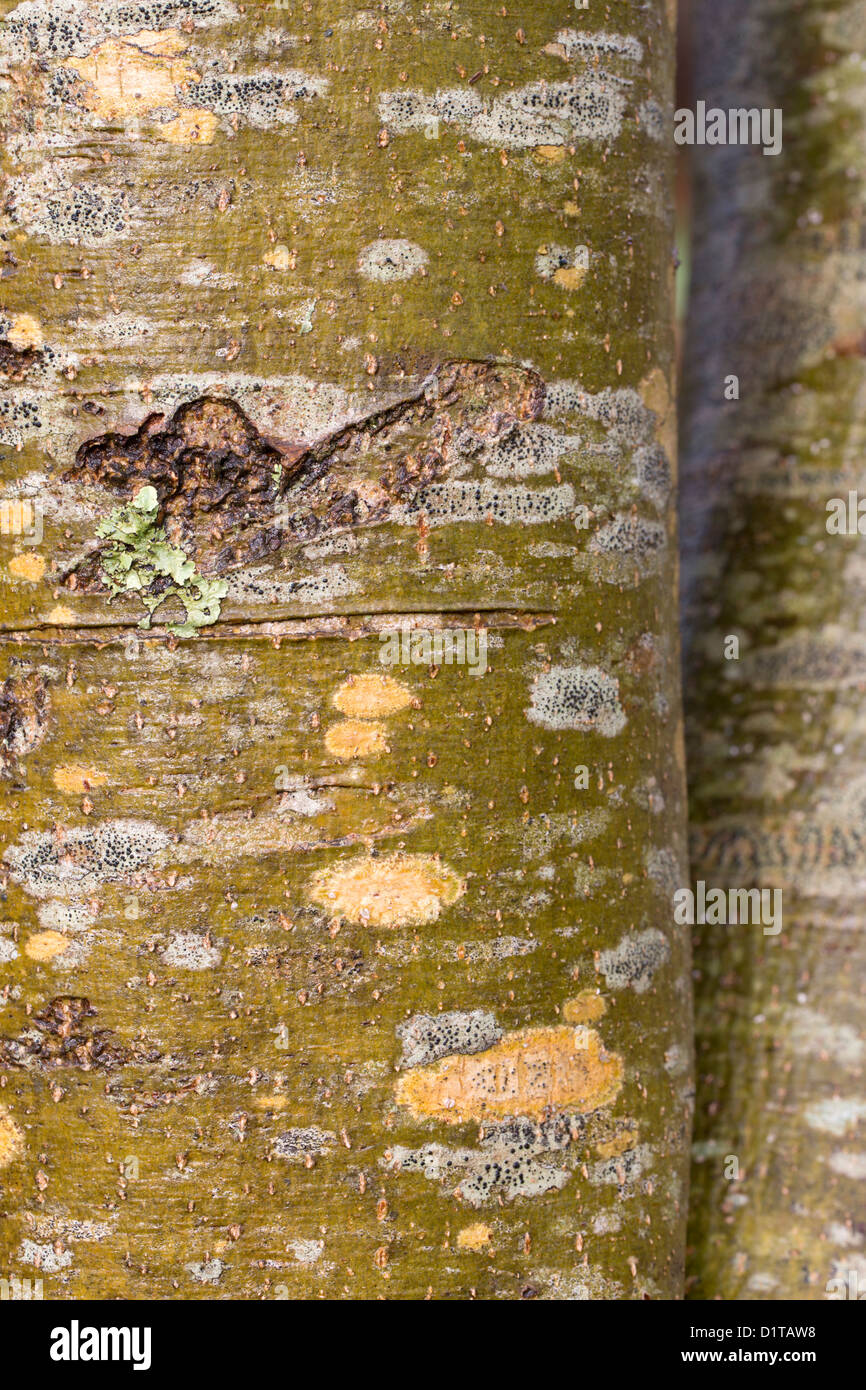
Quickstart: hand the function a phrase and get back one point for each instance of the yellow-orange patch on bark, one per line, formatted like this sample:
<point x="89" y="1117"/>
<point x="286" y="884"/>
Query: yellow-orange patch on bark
<point x="356" y="738"/>
<point x="45" y="945"/>
<point x="190" y="128"/>
<point x="128" y="81"/>
<point x="371" y="696"/>
<point x="528" y="1073"/>
<point x="11" y="1138"/>
<point x="61" y="615"/>
<point x="402" y="890"/>
<point x="278" y="257"/>
<point x="569" y="277"/>
<point x="29" y="566"/>
<point x="584" y="1008"/>
<point x="72" y="778"/>
<point x="612" y="1148"/>
<point x="24" y="332"/>
<point x="474" y="1237"/>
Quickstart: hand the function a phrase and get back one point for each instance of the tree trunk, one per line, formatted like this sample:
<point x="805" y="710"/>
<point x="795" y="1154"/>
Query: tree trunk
<point x="339" y="959"/>
<point x="777" y="759"/>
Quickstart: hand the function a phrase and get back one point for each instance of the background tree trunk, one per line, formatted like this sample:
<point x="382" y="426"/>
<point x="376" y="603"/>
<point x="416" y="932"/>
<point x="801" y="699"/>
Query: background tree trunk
<point x="776" y="753"/>
<point x="325" y="976"/>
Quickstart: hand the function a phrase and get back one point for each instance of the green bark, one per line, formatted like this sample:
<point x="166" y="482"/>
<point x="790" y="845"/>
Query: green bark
<point x="776" y="748"/>
<point x="326" y="977"/>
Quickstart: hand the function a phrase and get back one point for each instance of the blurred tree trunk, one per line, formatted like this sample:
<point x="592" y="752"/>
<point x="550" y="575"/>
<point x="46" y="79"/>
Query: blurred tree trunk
<point x="777" y="742"/>
<point x="329" y="972"/>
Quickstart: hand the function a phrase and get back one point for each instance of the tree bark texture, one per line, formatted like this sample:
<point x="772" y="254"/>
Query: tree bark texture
<point x="777" y="757"/>
<point x="325" y="976"/>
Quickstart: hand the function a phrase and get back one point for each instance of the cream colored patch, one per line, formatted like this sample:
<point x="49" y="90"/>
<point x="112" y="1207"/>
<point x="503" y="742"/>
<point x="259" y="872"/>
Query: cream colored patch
<point x="529" y="1072"/>
<point x="569" y="277"/>
<point x="126" y="80"/>
<point x="190" y="128"/>
<point x="72" y="778"/>
<point x="402" y="890"/>
<point x="45" y="945"/>
<point x="584" y="1008"/>
<point x="24" y="332"/>
<point x="356" y="738"/>
<point x="278" y="257"/>
<point x="61" y="615"/>
<point x="474" y="1237"/>
<point x="555" y="154"/>
<point x="11" y="1138"/>
<point x="28" y="566"/>
<point x="371" y="697"/>
<point x="655" y="393"/>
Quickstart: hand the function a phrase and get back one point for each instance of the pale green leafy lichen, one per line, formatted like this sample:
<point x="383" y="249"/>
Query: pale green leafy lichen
<point x="140" y="558"/>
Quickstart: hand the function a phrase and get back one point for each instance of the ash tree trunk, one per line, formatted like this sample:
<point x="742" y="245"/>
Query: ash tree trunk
<point x="341" y="722"/>
<point x="777" y="760"/>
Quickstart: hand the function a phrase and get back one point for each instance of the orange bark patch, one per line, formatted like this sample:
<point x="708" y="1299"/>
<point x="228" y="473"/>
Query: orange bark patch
<point x="190" y="128"/>
<point x="584" y="1008"/>
<point x="569" y="277"/>
<point x="125" y="80"/>
<point x="403" y="890"/>
<point x="11" y="1138"/>
<point x="30" y="567"/>
<point x="474" y="1237"/>
<point x="45" y="945"/>
<point x="371" y="696"/>
<point x="530" y="1072"/>
<point x="61" y="615"/>
<point x="24" y="332"/>
<point x="72" y="778"/>
<point x="356" y="738"/>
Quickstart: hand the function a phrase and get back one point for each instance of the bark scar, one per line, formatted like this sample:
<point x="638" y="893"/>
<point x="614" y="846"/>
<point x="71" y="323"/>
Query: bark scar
<point x="229" y="496"/>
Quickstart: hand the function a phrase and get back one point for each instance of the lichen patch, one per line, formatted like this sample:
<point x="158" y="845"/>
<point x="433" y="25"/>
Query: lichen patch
<point x="49" y="864"/>
<point x="530" y="1072"/>
<point x="635" y="960"/>
<point x="356" y="738"/>
<point x="402" y="890"/>
<point x="371" y="696"/>
<point x="577" y="697"/>
<point x="391" y="259"/>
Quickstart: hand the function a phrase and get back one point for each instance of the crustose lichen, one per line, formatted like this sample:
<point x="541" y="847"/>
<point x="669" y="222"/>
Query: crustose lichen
<point x="140" y="559"/>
